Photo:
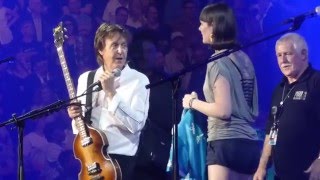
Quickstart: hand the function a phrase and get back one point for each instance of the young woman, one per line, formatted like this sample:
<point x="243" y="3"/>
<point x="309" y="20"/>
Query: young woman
<point x="231" y="104"/>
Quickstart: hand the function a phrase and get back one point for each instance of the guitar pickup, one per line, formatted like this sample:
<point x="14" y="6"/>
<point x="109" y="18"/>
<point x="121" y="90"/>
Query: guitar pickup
<point x="94" y="169"/>
<point x="86" y="141"/>
<point x="97" y="177"/>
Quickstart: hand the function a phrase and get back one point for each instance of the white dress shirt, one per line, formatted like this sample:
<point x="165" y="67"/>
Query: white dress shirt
<point x="123" y="117"/>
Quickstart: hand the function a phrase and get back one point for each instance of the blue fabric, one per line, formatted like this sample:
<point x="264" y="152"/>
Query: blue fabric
<point x="191" y="147"/>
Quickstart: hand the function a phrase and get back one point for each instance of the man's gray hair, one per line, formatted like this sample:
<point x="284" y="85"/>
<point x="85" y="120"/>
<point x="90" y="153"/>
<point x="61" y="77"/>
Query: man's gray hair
<point x="298" y="42"/>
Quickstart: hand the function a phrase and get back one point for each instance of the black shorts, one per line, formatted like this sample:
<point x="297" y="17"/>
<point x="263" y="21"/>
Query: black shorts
<point x="240" y="155"/>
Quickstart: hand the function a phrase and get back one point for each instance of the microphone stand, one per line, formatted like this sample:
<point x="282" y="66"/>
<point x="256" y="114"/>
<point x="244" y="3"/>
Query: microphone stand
<point x="175" y="92"/>
<point x="8" y="59"/>
<point x="174" y="78"/>
<point x="19" y="121"/>
<point x="34" y="114"/>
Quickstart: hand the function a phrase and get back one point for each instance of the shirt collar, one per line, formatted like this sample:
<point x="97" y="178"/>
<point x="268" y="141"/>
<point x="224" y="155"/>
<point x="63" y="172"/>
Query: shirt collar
<point x="304" y="76"/>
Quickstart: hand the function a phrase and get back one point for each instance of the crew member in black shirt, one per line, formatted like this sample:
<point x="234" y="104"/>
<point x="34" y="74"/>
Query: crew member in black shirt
<point x="293" y="127"/>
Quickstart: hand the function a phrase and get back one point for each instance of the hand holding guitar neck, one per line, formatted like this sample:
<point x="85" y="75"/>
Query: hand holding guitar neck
<point x="74" y="110"/>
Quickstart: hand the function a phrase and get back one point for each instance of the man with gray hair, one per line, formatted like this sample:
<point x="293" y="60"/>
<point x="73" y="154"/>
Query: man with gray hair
<point x="293" y="128"/>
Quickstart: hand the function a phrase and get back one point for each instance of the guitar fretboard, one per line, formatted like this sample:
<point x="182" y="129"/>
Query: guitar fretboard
<point x="66" y="74"/>
<point x="71" y="91"/>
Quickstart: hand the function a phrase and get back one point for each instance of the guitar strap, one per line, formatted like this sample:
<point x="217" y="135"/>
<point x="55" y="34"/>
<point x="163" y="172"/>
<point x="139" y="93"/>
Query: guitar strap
<point x="87" y="117"/>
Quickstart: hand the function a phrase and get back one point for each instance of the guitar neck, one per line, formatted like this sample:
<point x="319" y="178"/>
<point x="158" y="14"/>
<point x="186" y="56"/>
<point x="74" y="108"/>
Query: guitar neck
<point x="71" y="91"/>
<point x="66" y="73"/>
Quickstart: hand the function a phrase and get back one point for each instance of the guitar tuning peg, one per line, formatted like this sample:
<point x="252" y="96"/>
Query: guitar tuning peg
<point x="65" y="29"/>
<point x="65" y="36"/>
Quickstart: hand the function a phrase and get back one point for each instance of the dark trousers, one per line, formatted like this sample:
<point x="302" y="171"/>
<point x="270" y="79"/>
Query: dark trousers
<point x="126" y="163"/>
<point x="292" y="177"/>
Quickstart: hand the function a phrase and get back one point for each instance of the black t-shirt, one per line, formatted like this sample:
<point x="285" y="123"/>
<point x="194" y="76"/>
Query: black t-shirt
<point x="298" y="142"/>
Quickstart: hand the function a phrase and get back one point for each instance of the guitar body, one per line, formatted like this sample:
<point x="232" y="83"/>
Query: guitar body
<point x="95" y="153"/>
<point x="90" y="144"/>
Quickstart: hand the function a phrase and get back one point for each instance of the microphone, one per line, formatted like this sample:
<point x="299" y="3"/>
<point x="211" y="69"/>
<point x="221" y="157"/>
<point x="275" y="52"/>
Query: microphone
<point x="116" y="73"/>
<point x="301" y="17"/>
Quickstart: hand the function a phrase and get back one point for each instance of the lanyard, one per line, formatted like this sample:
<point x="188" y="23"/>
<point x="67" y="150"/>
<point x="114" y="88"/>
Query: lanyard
<point x="277" y="111"/>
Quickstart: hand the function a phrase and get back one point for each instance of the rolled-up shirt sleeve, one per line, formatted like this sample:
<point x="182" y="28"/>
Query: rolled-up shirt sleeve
<point x="130" y="107"/>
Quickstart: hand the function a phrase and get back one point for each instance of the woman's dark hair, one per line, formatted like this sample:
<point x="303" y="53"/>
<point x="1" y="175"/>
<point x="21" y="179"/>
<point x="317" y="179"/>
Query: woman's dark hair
<point x="106" y="31"/>
<point x="221" y="17"/>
